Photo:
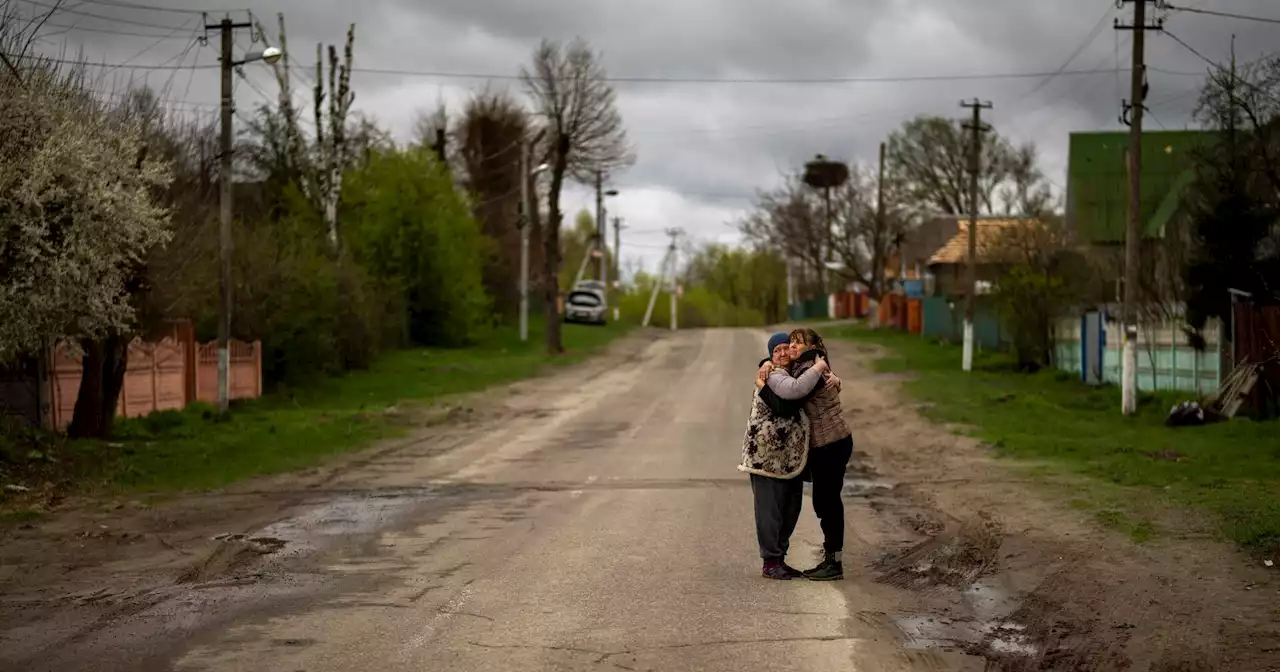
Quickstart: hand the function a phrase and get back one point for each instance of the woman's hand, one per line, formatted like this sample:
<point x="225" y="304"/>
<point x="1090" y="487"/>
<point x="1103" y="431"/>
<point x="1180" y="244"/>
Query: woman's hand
<point x="821" y="364"/>
<point x="832" y="381"/>
<point x="759" y="383"/>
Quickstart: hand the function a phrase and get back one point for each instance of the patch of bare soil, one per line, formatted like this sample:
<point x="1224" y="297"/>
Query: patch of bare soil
<point x="981" y="560"/>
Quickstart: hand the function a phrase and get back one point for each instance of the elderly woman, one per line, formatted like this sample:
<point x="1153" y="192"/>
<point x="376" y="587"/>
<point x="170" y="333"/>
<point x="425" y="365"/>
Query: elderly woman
<point x="830" y="441"/>
<point x="775" y="452"/>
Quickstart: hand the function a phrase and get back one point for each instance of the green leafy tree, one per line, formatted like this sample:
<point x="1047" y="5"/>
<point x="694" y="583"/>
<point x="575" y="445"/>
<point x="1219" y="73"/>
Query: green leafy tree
<point x="409" y="227"/>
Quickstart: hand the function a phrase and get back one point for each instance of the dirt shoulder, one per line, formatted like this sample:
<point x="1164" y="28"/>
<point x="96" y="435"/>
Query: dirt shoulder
<point x="997" y="562"/>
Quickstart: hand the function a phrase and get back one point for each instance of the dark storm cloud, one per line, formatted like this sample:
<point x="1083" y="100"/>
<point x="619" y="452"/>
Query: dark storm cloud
<point x="704" y="148"/>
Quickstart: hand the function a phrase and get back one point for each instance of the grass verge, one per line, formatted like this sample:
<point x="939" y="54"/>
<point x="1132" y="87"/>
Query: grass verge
<point x="196" y="449"/>
<point x="1143" y="468"/>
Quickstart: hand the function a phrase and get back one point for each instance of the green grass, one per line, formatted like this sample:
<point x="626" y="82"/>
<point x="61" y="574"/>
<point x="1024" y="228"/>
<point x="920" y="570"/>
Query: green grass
<point x="196" y="449"/>
<point x="1136" y="468"/>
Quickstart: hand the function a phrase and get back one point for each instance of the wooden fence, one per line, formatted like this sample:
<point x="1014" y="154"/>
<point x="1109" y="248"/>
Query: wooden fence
<point x="167" y="374"/>
<point x="1166" y="361"/>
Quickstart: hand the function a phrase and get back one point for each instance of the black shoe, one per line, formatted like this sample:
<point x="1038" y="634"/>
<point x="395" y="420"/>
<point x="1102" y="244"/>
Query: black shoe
<point x="783" y="572"/>
<point x="827" y="570"/>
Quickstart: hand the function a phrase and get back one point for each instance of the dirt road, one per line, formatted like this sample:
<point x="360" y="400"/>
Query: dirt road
<point x="595" y="520"/>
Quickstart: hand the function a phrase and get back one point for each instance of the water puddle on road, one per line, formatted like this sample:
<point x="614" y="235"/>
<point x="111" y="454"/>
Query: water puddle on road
<point x="988" y="632"/>
<point x="343" y="517"/>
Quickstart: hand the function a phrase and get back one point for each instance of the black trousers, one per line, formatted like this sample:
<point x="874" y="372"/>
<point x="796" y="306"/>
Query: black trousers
<point x="777" y="503"/>
<point x="826" y="468"/>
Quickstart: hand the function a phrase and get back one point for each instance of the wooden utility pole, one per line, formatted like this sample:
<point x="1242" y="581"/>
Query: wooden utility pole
<point x="976" y="128"/>
<point x="440" y="147"/>
<point x="877" y="274"/>
<point x="617" y="257"/>
<point x="1133" y="227"/>
<point x="225" y="190"/>
<point x="524" y="241"/>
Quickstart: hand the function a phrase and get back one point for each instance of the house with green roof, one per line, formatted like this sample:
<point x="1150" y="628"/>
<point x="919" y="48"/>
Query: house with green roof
<point x="1098" y="182"/>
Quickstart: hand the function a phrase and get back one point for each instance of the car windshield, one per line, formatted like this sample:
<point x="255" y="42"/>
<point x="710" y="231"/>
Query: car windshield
<point x="585" y="299"/>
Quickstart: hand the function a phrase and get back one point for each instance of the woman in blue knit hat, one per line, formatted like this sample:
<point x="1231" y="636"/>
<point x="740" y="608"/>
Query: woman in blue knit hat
<point x="775" y="452"/>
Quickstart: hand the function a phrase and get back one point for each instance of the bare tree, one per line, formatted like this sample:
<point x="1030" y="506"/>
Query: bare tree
<point x="333" y="155"/>
<point x="1026" y="192"/>
<point x="929" y="156"/>
<point x="865" y="238"/>
<point x="585" y="136"/>
<point x="790" y="220"/>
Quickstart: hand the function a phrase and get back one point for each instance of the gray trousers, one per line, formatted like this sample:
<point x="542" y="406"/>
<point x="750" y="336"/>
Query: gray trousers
<point x="778" y="503"/>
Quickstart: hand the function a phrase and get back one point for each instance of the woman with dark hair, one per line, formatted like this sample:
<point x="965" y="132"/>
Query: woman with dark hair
<point x="774" y="452"/>
<point x="830" y="446"/>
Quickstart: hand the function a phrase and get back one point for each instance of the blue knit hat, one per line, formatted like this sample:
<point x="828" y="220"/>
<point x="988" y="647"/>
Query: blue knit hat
<point x="775" y="340"/>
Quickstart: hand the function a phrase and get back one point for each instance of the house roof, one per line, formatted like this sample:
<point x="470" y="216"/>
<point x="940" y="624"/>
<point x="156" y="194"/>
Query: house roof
<point x="990" y="233"/>
<point x="922" y="242"/>
<point x="1098" y="182"/>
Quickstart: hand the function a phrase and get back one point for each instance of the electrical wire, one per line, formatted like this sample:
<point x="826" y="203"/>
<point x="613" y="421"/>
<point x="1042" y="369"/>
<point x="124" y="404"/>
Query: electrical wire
<point x="679" y="80"/>
<point x="112" y="19"/>
<point x="1220" y="68"/>
<point x="153" y="8"/>
<point x="1084" y="44"/>
<point x="104" y="31"/>
<point x="751" y="80"/>
<point x="1229" y="15"/>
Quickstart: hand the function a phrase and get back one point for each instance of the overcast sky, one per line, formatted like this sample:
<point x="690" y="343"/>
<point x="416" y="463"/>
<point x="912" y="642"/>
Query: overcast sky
<point x="704" y="147"/>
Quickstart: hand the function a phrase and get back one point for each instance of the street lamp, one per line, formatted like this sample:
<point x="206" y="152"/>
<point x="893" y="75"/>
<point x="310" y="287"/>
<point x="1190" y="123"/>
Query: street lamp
<point x="603" y="247"/>
<point x="269" y="55"/>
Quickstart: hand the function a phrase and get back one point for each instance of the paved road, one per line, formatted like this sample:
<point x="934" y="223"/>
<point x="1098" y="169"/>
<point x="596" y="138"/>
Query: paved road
<point x="599" y="523"/>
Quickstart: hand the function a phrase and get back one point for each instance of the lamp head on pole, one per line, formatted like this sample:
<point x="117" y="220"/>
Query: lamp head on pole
<point x="269" y="55"/>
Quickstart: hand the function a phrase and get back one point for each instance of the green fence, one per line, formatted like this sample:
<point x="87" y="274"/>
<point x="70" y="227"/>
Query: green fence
<point x="944" y="318"/>
<point x="809" y="309"/>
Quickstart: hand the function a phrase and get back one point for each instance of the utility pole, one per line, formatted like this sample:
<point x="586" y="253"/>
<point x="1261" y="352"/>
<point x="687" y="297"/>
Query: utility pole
<point x="877" y="274"/>
<point x="977" y="128"/>
<point x="600" y="223"/>
<point x="617" y="257"/>
<point x="439" y="147"/>
<point x="668" y="262"/>
<point x="227" y="29"/>
<point x="1133" y="228"/>
<point x="524" y="241"/>
<point x="225" y="242"/>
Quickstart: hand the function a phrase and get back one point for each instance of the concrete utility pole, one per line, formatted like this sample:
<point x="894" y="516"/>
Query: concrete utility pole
<point x="600" y="223"/>
<point x="668" y="262"/>
<point x="1133" y="228"/>
<point x="977" y="128"/>
<point x="617" y="256"/>
<point x="270" y="55"/>
<point x="527" y="208"/>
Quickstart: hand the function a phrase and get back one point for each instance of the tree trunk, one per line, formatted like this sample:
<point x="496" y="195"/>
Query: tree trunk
<point x="551" y="283"/>
<point x="101" y="380"/>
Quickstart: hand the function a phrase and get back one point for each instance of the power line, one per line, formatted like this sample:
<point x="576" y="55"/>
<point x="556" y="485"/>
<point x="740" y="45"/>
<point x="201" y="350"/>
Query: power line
<point x="765" y="80"/>
<point x="58" y="9"/>
<point x="673" y="80"/>
<point x="86" y="29"/>
<point x="153" y="8"/>
<point x="1229" y="15"/>
<point x="1084" y="44"/>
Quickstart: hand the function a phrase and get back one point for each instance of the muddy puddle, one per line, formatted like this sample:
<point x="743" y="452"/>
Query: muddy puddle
<point x="988" y="629"/>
